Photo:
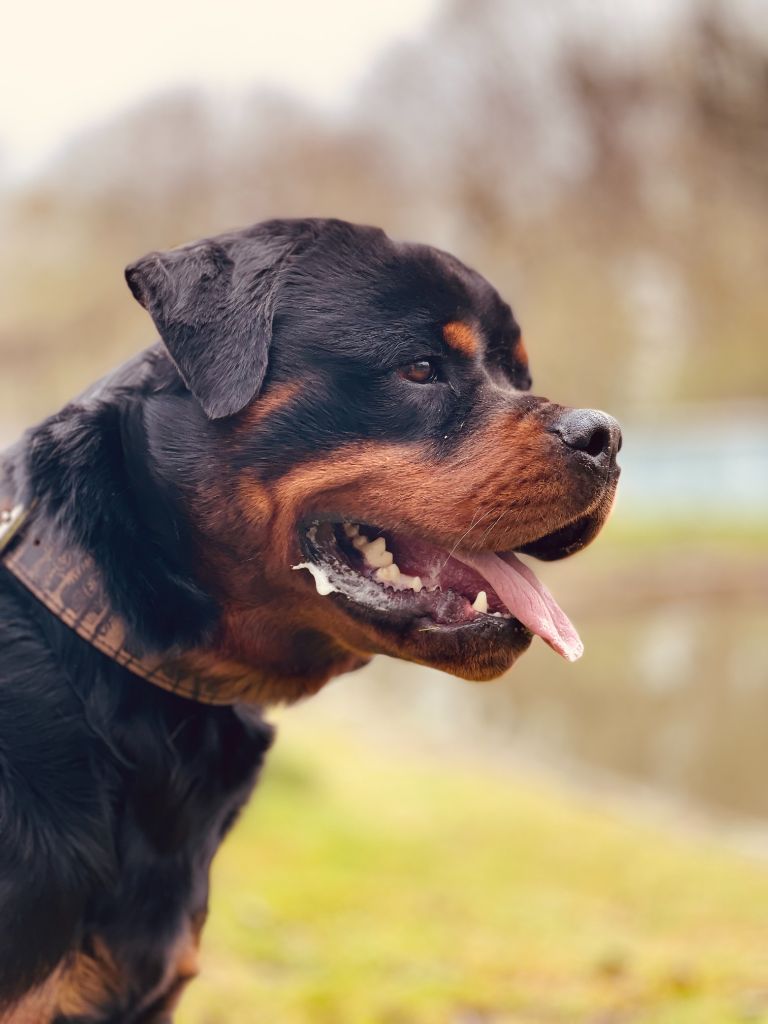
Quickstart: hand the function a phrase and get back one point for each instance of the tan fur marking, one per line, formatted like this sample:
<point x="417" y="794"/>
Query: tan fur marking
<point x="186" y="956"/>
<point x="183" y="966"/>
<point x="88" y="984"/>
<point x="461" y="337"/>
<point x="37" y="1006"/>
<point x="503" y="473"/>
<point x="265" y="406"/>
<point x="255" y="501"/>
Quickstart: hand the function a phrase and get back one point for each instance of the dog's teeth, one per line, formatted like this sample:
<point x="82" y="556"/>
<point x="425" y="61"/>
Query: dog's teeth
<point x="480" y="604"/>
<point x="399" y="580"/>
<point x="388" y="574"/>
<point x="351" y="529"/>
<point x="411" y="583"/>
<point x="378" y="561"/>
<point x="360" y="541"/>
<point x="376" y="554"/>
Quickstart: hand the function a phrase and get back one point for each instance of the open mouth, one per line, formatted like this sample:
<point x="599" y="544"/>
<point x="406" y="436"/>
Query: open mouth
<point x="405" y="578"/>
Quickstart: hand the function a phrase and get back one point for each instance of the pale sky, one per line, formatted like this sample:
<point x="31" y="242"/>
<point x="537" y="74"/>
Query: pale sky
<point x="66" y="64"/>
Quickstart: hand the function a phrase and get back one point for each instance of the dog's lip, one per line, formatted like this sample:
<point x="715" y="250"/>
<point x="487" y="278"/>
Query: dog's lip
<point x="526" y="547"/>
<point x="454" y="588"/>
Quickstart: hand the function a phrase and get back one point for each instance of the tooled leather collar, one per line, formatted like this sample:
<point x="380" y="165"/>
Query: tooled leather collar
<point x="68" y="582"/>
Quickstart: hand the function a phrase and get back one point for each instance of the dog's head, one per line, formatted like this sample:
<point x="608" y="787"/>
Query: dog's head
<point x="359" y="454"/>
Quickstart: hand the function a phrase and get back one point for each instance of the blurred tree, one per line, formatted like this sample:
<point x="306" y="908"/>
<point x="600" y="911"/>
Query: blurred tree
<point x="612" y="187"/>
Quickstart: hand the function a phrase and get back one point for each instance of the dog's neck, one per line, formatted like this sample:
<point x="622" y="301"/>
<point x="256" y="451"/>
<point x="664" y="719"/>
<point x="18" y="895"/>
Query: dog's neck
<point x="67" y="581"/>
<point x="138" y="604"/>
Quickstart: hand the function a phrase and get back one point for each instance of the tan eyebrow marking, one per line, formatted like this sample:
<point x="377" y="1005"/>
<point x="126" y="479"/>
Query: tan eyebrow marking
<point x="265" y="406"/>
<point x="462" y="337"/>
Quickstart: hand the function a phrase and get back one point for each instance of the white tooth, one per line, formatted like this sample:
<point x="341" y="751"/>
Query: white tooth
<point x="378" y="560"/>
<point x="387" y="574"/>
<point x="351" y="529"/>
<point x="410" y="582"/>
<point x="360" y="541"/>
<point x="480" y="604"/>
<point x="376" y="554"/>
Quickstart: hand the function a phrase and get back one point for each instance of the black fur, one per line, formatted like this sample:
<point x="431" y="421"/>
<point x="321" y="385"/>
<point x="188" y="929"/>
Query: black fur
<point x="113" y="798"/>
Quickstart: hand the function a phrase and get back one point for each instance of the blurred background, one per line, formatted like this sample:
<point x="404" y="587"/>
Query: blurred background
<point x="575" y="842"/>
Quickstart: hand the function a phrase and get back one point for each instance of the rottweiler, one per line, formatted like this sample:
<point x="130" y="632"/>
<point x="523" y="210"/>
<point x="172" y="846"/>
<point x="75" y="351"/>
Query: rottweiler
<point x="331" y="452"/>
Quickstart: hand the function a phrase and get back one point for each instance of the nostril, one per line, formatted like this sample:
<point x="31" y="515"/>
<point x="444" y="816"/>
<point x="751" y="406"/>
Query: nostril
<point x="598" y="442"/>
<point x="589" y="431"/>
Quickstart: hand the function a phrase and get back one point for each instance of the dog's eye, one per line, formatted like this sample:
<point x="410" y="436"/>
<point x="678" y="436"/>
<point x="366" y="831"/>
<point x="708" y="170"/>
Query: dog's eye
<point x="423" y="371"/>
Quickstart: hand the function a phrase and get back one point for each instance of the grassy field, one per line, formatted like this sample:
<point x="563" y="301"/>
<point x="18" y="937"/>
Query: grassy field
<point x="371" y="885"/>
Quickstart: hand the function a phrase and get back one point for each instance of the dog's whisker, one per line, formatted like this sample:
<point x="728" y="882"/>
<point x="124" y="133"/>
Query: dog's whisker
<point x="466" y="533"/>
<point x="494" y="524"/>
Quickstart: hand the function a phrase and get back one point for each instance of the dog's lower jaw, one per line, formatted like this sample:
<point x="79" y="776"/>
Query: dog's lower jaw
<point x="294" y="658"/>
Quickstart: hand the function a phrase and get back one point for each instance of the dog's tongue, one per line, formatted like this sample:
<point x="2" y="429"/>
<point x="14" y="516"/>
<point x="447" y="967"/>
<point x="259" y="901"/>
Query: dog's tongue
<point x="527" y="599"/>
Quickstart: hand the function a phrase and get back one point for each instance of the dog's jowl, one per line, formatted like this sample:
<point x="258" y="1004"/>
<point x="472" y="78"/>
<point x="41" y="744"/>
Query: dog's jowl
<point x="331" y="452"/>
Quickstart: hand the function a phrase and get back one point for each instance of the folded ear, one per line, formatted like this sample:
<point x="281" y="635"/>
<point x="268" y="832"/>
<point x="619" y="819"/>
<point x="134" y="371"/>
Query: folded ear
<point x="213" y="303"/>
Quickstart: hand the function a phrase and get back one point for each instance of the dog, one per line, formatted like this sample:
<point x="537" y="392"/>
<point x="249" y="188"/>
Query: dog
<point x="331" y="452"/>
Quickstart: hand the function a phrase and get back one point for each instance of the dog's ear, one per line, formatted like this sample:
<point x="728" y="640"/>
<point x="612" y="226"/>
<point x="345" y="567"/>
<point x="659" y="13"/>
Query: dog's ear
<point x="213" y="303"/>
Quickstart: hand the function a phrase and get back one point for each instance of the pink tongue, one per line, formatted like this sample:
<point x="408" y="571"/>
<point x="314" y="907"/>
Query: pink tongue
<point x="527" y="599"/>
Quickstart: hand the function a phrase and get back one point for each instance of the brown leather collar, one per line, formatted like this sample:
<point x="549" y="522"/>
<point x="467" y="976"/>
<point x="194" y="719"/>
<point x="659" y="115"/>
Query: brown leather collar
<point x="69" y="584"/>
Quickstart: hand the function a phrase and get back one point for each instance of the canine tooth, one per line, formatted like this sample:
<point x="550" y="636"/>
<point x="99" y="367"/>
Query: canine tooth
<point x="360" y="541"/>
<point x="351" y="529"/>
<point x="388" y="574"/>
<point x="376" y="547"/>
<point x="480" y="604"/>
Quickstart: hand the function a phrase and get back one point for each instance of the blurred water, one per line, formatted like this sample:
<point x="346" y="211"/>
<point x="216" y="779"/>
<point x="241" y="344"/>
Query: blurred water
<point x="671" y="695"/>
<point x="707" y="460"/>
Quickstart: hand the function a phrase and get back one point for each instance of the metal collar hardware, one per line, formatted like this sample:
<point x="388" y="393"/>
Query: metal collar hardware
<point x="11" y="521"/>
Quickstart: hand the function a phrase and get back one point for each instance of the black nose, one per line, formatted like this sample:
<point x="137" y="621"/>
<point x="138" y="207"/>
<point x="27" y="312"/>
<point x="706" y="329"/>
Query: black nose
<point x="590" y="431"/>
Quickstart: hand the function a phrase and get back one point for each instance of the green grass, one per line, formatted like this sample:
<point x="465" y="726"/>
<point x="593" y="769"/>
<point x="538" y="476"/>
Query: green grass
<point x="368" y="885"/>
<point x="643" y="534"/>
